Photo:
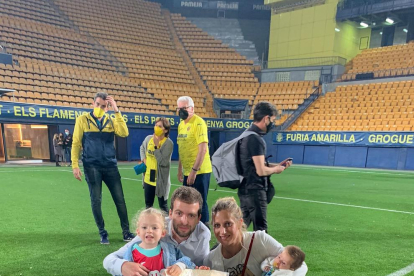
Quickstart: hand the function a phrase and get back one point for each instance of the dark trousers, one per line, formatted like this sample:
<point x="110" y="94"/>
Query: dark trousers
<point x="149" y="191"/>
<point x="201" y="184"/>
<point x="254" y="207"/>
<point x="94" y="177"/>
<point x="68" y="154"/>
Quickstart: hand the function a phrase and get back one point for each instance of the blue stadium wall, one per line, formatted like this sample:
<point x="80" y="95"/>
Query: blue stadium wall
<point x="140" y="125"/>
<point x="384" y="150"/>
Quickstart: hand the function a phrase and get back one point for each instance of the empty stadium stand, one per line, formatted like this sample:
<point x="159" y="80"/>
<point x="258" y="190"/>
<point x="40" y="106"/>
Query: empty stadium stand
<point x="66" y="51"/>
<point x="231" y="35"/>
<point x="286" y="96"/>
<point x="383" y="62"/>
<point x="226" y="73"/>
<point x="387" y="106"/>
<point x="45" y="83"/>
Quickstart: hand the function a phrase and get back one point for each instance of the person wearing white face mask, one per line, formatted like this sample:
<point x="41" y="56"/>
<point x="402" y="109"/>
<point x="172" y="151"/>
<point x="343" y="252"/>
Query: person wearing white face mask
<point x="156" y="151"/>
<point x="95" y="133"/>
<point x="67" y="144"/>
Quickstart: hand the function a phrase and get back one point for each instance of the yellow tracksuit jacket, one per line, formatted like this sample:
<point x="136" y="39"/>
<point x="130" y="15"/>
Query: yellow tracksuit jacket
<point x="97" y="143"/>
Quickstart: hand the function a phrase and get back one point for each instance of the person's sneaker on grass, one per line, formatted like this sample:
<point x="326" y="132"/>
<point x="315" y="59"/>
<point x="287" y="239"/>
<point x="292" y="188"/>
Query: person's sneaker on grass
<point x="128" y="236"/>
<point x="104" y="239"/>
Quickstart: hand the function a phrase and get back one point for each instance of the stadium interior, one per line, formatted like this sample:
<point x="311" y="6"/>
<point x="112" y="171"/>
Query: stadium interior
<point x="324" y="68"/>
<point x="339" y="72"/>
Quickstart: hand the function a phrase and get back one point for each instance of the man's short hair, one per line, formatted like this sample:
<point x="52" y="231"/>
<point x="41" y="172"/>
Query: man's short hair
<point x="101" y="95"/>
<point x="186" y="99"/>
<point x="262" y="110"/>
<point x="187" y="195"/>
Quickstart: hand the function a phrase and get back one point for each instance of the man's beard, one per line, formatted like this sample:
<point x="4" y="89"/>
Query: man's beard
<point x="181" y="234"/>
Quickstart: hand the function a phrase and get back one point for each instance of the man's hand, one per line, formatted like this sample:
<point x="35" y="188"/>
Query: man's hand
<point x="278" y="169"/>
<point x="134" y="269"/>
<point x="202" y="267"/>
<point x="156" y="140"/>
<point x="191" y="177"/>
<point x="77" y="174"/>
<point x="288" y="164"/>
<point x="180" y="176"/>
<point x="112" y="102"/>
<point x="174" y="270"/>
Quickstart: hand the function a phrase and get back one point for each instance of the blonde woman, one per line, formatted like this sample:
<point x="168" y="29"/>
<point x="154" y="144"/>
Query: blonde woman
<point x="234" y="241"/>
<point x="57" y="148"/>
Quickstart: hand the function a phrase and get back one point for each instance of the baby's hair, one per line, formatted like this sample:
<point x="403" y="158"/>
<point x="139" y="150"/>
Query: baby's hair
<point x="297" y="255"/>
<point x="150" y="211"/>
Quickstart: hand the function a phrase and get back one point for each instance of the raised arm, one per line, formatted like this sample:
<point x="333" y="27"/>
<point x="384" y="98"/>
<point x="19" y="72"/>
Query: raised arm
<point x="120" y="126"/>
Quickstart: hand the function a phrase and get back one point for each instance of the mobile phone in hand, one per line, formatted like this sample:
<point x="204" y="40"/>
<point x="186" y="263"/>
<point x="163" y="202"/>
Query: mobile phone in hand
<point x="287" y="160"/>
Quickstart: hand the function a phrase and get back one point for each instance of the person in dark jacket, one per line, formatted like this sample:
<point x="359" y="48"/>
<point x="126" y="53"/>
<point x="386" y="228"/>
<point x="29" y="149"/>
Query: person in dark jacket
<point x="67" y="145"/>
<point x="252" y="191"/>
<point x="95" y="133"/>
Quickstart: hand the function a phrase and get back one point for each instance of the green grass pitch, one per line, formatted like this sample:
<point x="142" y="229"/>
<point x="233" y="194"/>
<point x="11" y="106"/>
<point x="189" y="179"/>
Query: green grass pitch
<point x="344" y="219"/>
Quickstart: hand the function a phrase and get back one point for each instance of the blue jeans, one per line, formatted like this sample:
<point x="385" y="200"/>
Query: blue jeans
<point x="94" y="177"/>
<point x="201" y="184"/>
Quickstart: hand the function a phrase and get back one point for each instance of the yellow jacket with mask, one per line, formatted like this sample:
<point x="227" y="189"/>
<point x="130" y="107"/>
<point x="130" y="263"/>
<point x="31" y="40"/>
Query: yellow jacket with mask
<point x="97" y="142"/>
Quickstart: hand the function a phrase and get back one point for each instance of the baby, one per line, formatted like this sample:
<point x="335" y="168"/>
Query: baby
<point x="157" y="256"/>
<point x="285" y="263"/>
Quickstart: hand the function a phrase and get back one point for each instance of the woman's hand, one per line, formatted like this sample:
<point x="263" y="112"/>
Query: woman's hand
<point x="174" y="270"/>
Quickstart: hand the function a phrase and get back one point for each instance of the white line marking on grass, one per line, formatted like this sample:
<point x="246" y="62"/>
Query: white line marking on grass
<point x="232" y="192"/>
<point x="347" y="205"/>
<point x="353" y="171"/>
<point x="303" y="200"/>
<point x="403" y="271"/>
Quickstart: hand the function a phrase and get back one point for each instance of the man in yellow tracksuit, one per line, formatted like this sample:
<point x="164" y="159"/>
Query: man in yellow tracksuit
<point x="95" y="133"/>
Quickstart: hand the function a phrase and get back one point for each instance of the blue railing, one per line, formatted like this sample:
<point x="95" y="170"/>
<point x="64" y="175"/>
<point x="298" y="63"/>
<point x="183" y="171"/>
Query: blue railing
<point x="301" y="108"/>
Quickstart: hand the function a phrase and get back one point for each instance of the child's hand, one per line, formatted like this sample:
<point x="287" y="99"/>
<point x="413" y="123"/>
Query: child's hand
<point x="267" y="268"/>
<point x="202" y="267"/>
<point x="174" y="270"/>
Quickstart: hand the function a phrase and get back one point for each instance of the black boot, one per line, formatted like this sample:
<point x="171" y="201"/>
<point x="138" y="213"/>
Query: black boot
<point x="57" y="160"/>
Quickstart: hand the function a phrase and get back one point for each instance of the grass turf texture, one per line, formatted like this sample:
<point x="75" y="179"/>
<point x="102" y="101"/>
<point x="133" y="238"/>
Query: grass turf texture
<point x="47" y="227"/>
